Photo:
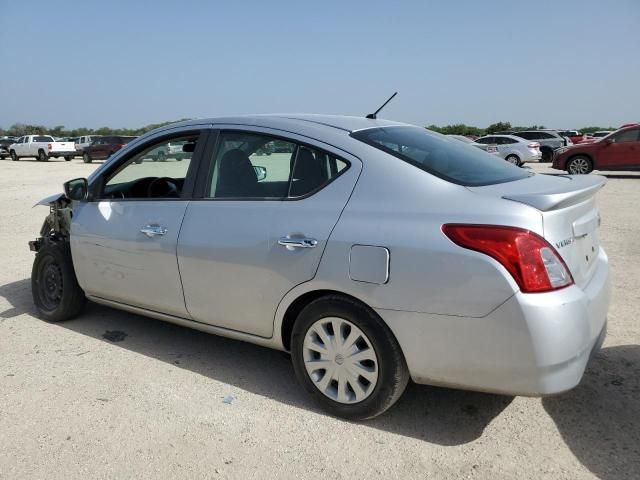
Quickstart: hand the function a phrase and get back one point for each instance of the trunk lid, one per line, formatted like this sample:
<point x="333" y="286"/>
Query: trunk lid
<point x="570" y="217"/>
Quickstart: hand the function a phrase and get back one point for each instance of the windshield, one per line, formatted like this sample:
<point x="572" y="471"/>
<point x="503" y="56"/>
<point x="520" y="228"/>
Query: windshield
<point x="443" y="157"/>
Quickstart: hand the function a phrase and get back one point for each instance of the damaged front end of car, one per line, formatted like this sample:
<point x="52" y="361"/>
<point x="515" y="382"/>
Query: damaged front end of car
<point x="57" y="225"/>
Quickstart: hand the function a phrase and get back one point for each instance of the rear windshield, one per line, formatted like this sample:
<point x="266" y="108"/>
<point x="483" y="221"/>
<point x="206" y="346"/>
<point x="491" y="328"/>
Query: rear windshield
<point x="443" y="157"/>
<point x="42" y="138"/>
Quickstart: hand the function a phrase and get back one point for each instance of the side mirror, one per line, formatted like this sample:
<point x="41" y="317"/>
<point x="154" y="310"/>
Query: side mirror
<point x="76" y="189"/>
<point x="261" y="172"/>
<point x="609" y="141"/>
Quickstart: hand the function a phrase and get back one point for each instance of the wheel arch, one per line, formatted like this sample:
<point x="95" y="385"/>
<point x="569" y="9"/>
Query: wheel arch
<point x="294" y="305"/>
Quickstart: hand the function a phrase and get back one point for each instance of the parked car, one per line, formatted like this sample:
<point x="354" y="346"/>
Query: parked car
<point x="4" y="146"/>
<point x="104" y="147"/>
<point x="489" y="148"/>
<point x="84" y="141"/>
<point x="168" y="151"/>
<point x="41" y="147"/>
<point x="573" y="135"/>
<point x="374" y="252"/>
<point x="619" y="150"/>
<point x="549" y="140"/>
<point x="513" y="149"/>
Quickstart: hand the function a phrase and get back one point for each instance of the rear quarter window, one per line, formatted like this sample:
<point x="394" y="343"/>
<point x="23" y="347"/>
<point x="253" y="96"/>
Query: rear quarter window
<point x="443" y="157"/>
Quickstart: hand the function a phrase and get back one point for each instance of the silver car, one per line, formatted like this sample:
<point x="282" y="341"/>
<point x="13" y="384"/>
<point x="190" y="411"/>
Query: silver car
<point x="513" y="149"/>
<point x="373" y="251"/>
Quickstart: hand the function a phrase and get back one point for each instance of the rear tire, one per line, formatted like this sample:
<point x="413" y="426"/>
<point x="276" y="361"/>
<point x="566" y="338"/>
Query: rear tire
<point x="355" y="389"/>
<point x="514" y="160"/>
<point x="42" y="157"/>
<point x="86" y="158"/>
<point x="547" y="155"/>
<point x="67" y="158"/>
<point x="579" y="165"/>
<point x="54" y="285"/>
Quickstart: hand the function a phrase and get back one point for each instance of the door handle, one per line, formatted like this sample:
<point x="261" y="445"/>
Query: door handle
<point x="153" y="230"/>
<point x="292" y="243"/>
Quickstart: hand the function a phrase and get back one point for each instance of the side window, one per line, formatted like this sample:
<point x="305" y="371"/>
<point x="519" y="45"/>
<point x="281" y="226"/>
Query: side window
<point x="158" y="171"/>
<point x="484" y="141"/>
<point x="527" y="135"/>
<point x="249" y="165"/>
<point x="627" y="136"/>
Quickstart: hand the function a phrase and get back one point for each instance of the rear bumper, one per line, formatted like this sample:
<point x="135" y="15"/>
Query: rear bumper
<point x="533" y="344"/>
<point x="64" y="153"/>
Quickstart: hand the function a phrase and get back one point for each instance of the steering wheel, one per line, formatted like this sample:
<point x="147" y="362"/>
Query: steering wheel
<point x="163" y="187"/>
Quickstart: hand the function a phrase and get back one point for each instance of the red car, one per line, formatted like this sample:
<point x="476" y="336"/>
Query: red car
<point x="619" y="150"/>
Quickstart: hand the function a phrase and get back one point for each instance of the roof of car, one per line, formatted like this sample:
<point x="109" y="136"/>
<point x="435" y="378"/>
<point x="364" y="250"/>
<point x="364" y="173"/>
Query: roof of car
<point x="345" y="123"/>
<point x="512" y="137"/>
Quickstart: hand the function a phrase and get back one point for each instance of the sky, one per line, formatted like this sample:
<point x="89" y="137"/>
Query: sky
<point x="562" y="64"/>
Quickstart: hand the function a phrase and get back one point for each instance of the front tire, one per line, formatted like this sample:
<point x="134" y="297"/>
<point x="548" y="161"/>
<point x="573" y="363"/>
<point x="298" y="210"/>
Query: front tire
<point x="13" y="156"/>
<point x="86" y="158"/>
<point x="579" y="165"/>
<point x="346" y="357"/>
<point x="42" y="157"/>
<point x="54" y="285"/>
<point x="513" y="159"/>
<point x="67" y="158"/>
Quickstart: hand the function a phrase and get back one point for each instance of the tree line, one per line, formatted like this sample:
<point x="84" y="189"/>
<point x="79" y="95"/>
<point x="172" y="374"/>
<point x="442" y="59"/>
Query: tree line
<point x="19" y="129"/>
<point x="462" y="129"/>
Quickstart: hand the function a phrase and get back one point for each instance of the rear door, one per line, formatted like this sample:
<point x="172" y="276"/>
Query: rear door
<point x="124" y="240"/>
<point x="269" y="203"/>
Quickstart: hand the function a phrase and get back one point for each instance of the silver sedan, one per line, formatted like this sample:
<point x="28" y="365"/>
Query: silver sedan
<point x="514" y="149"/>
<point x="374" y="252"/>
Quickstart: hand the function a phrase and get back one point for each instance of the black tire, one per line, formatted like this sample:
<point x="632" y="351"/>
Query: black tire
<point x="160" y="157"/>
<point x="42" y="157"/>
<point x="547" y="155"/>
<point x="514" y="160"/>
<point x="54" y="286"/>
<point x="13" y="156"/>
<point x="2" y="157"/>
<point x="68" y="158"/>
<point x="579" y="165"/>
<point x="393" y="374"/>
<point x="86" y="158"/>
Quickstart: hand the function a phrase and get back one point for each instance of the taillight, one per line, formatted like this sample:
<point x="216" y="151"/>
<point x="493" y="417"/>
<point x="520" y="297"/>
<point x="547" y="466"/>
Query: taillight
<point x="530" y="259"/>
<point x="534" y="145"/>
<point x="49" y="146"/>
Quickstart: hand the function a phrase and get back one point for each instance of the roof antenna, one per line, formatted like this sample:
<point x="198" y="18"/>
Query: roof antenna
<point x="373" y="115"/>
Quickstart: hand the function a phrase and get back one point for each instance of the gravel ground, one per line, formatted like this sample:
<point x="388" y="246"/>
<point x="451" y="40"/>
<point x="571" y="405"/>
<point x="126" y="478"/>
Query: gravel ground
<point x="115" y="395"/>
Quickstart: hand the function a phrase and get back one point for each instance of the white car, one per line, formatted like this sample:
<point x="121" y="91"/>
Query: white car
<point x="514" y="149"/>
<point x="41" y="147"/>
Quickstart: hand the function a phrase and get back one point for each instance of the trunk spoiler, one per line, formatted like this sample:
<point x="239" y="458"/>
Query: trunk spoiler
<point x="579" y="188"/>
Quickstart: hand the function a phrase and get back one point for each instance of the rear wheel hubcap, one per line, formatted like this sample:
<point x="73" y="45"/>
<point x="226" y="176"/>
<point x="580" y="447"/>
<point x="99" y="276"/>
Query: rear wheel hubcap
<point x="340" y="360"/>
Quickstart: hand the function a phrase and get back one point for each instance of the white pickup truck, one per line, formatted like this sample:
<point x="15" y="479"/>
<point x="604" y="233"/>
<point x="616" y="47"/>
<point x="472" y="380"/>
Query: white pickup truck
<point x="42" y="147"/>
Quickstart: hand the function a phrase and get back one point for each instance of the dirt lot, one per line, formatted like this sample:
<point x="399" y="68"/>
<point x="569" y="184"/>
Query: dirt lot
<point x="78" y="401"/>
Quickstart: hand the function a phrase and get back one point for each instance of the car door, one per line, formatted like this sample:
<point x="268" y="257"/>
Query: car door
<point x="623" y="151"/>
<point x="18" y="146"/>
<point x="123" y="240"/>
<point x="269" y="203"/>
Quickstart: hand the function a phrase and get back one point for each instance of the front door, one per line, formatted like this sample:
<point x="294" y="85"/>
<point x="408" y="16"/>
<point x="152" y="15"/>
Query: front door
<point x="268" y="207"/>
<point x="623" y="152"/>
<point x="124" y="241"/>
